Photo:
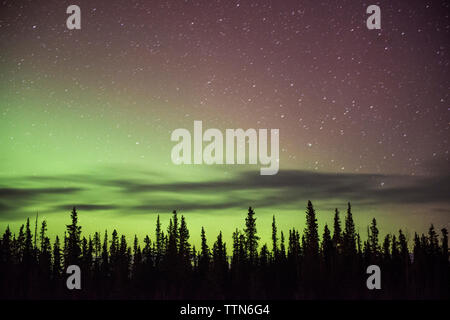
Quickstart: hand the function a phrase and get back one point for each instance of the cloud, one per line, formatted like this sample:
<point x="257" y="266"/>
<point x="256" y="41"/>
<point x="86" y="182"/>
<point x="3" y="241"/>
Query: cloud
<point x="13" y="201"/>
<point x="187" y="206"/>
<point x="86" y="207"/>
<point x="26" y="193"/>
<point x="287" y="189"/>
<point x="289" y="185"/>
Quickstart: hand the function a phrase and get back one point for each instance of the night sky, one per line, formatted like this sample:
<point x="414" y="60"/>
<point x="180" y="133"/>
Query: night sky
<point x="86" y="115"/>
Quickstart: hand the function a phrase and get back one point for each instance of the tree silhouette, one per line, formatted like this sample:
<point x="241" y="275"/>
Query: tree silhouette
<point x="205" y="255"/>
<point x="28" y="252"/>
<point x="184" y="249"/>
<point x="311" y="233"/>
<point x="168" y="268"/>
<point x="282" y="247"/>
<point x="373" y="245"/>
<point x="57" y="259"/>
<point x="251" y="239"/>
<point x="327" y="245"/>
<point x="274" y="240"/>
<point x="105" y="256"/>
<point x="349" y="238"/>
<point x="337" y="231"/>
<point x="159" y="242"/>
<point x="73" y="240"/>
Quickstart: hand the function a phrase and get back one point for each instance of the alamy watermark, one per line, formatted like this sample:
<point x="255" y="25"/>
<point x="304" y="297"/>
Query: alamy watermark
<point x="236" y="143"/>
<point x="74" y="20"/>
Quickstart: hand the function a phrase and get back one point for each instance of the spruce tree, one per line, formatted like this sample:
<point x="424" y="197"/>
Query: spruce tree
<point x="274" y="240"/>
<point x="28" y="250"/>
<point x="137" y="258"/>
<point x="220" y="263"/>
<point x="386" y="247"/>
<point x="403" y="244"/>
<point x="105" y="255"/>
<point x="20" y="244"/>
<point x="282" y="247"/>
<point x="6" y="253"/>
<point x="205" y="254"/>
<point x="159" y="241"/>
<point x="349" y="238"/>
<point x="73" y="240"/>
<point x="42" y="233"/>
<point x="114" y="249"/>
<point x="433" y="241"/>
<point x="251" y="237"/>
<point x="184" y="248"/>
<point x="337" y="231"/>
<point x="327" y="244"/>
<point x="97" y="245"/>
<point x="311" y="232"/>
<point x="264" y="257"/>
<point x="147" y="251"/>
<point x="373" y="238"/>
<point x="172" y="244"/>
<point x="57" y="263"/>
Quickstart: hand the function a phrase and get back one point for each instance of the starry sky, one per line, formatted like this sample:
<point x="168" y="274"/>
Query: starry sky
<point x="86" y="115"/>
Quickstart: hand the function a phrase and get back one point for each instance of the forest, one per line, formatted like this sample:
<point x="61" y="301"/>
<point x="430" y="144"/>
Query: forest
<point x="167" y="267"/>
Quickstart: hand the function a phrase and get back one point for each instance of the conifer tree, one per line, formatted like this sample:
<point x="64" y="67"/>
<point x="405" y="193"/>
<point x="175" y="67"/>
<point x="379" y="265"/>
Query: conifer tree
<point x="97" y="245"/>
<point x="194" y="257"/>
<point x="274" y="239"/>
<point x="28" y="270"/>
<point x="242" y="251"/>
<point x="147" y="251"/>
<point x="42" y="233"/>
<point x="137" y="256"/>
<point x="28" y="251"/>
<point x="6" y="252"/>
<point x="264" y="257"/>
<point x="433" y="241"/>
<point x="394" y="249"/>
<point x="159" y="241"/>
<point x="373" y="238"/>
<point x="349" y="238"/>
<point x="73" y="240"/>
<point x="114" y="249"/>
<point x="294" y="248"/>
<point x="205" y="254"/>
<point x="90" y="252"/>
<point x="251" y="237"/>
<point x="124" y="258"/>
<point x="57" y="263"/>
<point x="327" y="244"/>
<point x="84" y="248"/>
<point x="184" y="248"/>
<point x="105" y="255"/>
<point x="337" y="231"/>
<point x="20" y="244"/>
<point x="358" y="243"/>
<point x="172" y="245"/>
<point x="220" y="263"/>
<point x="282" y="247"/>
<point x="311" y="232"/>
<point x="386" y="247"/>
<point x="403" y="244"/>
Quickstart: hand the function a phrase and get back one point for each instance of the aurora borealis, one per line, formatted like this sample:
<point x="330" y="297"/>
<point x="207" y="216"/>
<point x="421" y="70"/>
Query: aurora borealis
<point x="86" y="115"/>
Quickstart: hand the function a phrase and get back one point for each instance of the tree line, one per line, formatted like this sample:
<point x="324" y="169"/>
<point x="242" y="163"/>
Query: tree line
<point x="292" y="266"/>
